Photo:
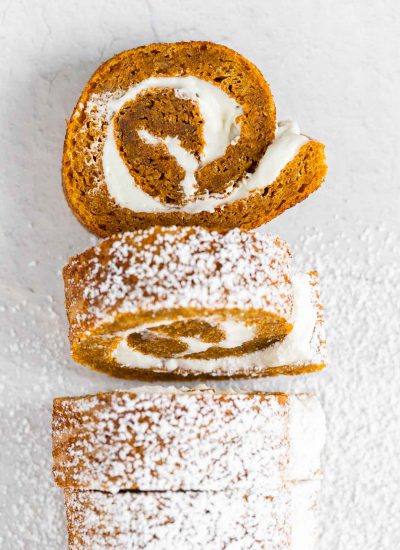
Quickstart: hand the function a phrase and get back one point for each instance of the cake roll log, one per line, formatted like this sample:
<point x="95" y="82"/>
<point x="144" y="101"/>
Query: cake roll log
<point x="183" y="134"/>
<point x="156" y="440"/>
<point x="186" y="301"/>
<point x="283" y="520"/>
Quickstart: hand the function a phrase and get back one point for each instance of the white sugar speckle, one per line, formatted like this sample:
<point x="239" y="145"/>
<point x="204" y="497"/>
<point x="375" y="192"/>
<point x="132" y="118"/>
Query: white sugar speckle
<point x="231" y="270"/>
<point x="195" y="520"/>
<point x="184" y="441"/>
<point x="346" y="91"/>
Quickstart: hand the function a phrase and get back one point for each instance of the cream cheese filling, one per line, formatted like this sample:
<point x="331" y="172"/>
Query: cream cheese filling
<point x="304" y="514"/>
<point x="221" y="128"/>
<point x="295" y="348"/>
<point x="236" y="334"/>
<point x="307" y="433"/>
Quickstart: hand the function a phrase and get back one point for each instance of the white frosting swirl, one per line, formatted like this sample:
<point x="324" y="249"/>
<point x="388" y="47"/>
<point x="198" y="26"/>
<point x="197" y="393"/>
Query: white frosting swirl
<point x="295" y="348"/>
<point x="221" y="128"/>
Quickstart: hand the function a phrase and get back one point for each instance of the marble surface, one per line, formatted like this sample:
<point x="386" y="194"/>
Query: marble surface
<point x="333" y="67"/>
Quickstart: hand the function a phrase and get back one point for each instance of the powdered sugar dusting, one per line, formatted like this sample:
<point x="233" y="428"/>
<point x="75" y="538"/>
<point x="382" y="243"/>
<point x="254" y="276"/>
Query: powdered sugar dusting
<point x="198" y="520"/>
<point x="304" y="346"/>
<point x="180" y="268"/>
<point x="360" y="274"/>
<point x="98" y="116"/>
<point x="185" y="441"/>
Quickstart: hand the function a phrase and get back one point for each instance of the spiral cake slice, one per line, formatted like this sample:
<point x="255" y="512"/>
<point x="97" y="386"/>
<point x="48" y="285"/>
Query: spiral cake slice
<point x="183" y="134"/>
<point x="193" y="302"/>
<point x="159" y="439"/>
<point x="282" y="520"/>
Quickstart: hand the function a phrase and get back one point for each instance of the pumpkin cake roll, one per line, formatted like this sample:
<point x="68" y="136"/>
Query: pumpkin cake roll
<point x="186" y="301"/>
<point x="160" y="439"/>
<point x="160" y="467"/>
<point x="286" y="519"/>
<point x="183" y="134"/>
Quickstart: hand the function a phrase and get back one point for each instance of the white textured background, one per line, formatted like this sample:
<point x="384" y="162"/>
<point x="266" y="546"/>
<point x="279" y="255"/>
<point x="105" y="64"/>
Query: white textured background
<point x="333" y="67"/>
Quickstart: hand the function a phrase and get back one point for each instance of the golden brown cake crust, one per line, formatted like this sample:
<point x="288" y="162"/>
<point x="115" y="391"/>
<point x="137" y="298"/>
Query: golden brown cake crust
<point x="158" y="174"/>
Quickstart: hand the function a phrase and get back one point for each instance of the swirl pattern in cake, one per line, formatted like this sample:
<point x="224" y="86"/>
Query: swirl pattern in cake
<point x="193" y="302"/>
<point x="183" y="134"/>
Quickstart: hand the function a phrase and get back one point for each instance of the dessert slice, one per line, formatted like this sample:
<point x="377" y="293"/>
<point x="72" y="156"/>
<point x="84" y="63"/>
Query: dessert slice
<point x="187" y="301"/>
<point x="155" y="439"/>
<point x="183" y="134"/>
<point x="157" y="468"/>
<point x="285" y="519"/>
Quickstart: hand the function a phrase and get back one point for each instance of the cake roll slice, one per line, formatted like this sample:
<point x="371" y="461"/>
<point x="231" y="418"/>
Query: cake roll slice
<point x="183" y="134"/>
<point x="155" y="439"/>
<point x="286" y="519"/>
<point x="190" y="302"/>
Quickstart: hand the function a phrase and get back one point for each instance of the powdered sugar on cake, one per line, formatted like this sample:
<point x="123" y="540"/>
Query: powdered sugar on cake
<point x="155" y="441"/>
<point x="159" y="276"/>
<point x="298" y="347"/>
<point x="183" y="268"/>
<point x="282" y="520"/>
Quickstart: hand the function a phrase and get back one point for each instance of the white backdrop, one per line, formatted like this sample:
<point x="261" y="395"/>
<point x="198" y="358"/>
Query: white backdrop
<point x="333" y="67"/>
